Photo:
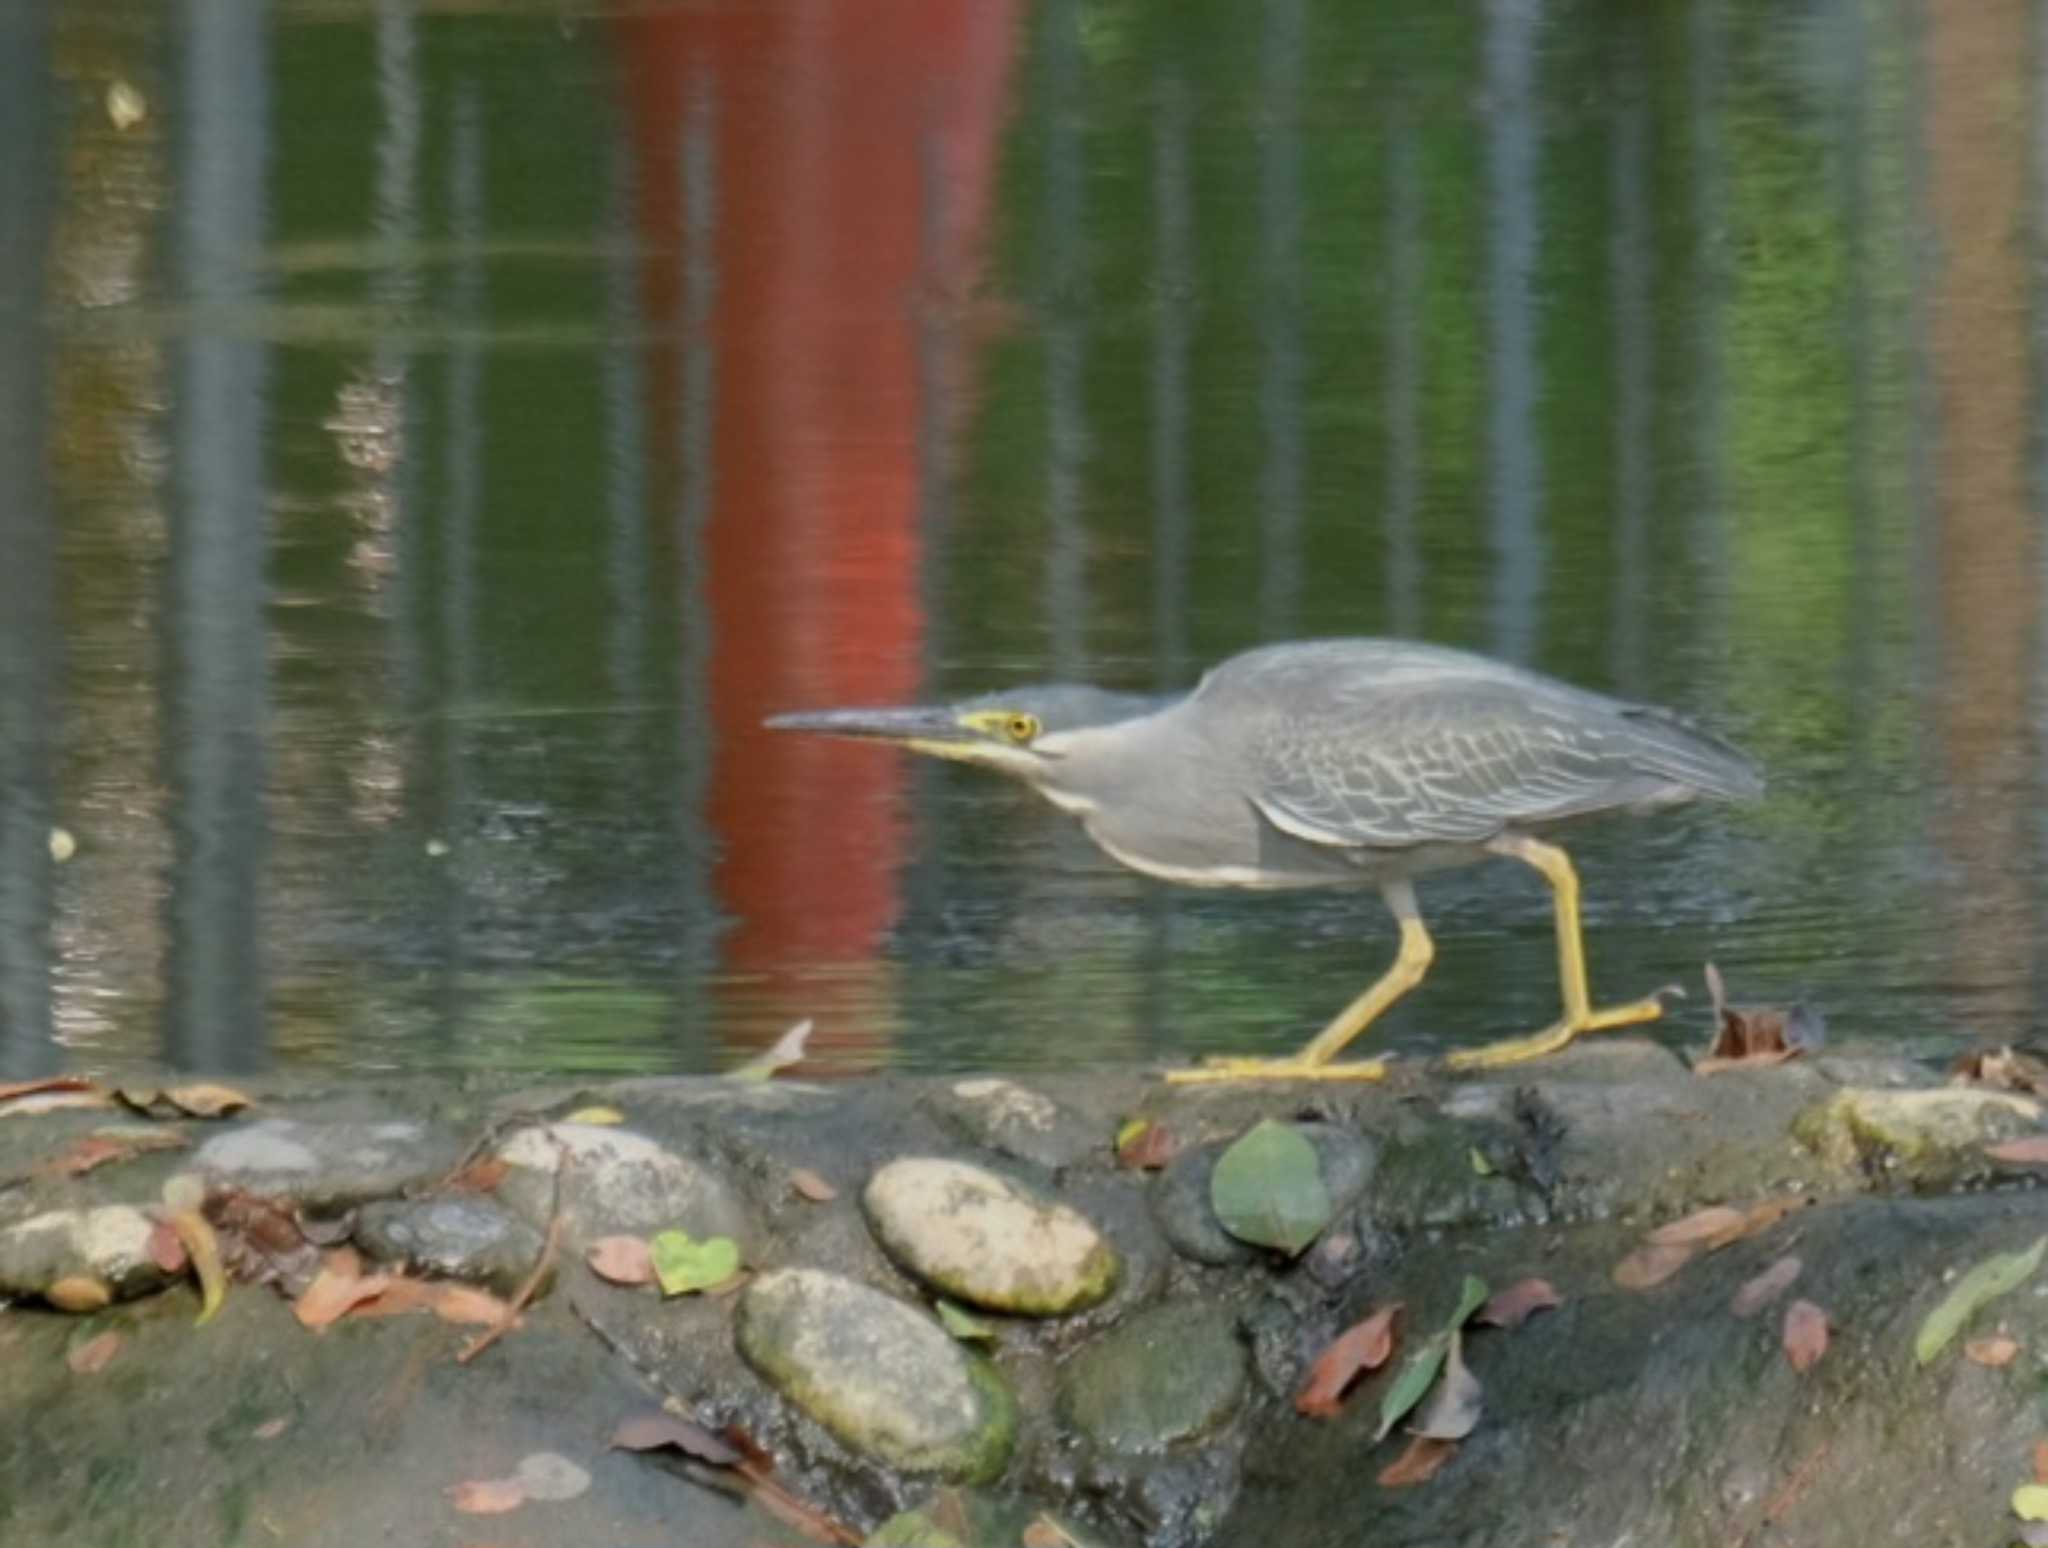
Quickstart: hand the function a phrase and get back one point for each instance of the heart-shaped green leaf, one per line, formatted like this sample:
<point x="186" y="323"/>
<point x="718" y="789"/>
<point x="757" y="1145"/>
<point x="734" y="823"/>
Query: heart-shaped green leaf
<point x="1267" y="1188"/>
<point x="683" y="1264"/>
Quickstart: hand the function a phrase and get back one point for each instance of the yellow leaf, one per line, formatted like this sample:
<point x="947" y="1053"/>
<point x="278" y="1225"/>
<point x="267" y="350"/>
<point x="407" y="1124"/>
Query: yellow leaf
<point x="1131" y="1129"/>
<point x="599" y="1115"/>
<point x="2030" y="1502"/>
<point x="203" y="1248"/>
<point x="78" y="1293"/>
<point x="206" y="1101"/>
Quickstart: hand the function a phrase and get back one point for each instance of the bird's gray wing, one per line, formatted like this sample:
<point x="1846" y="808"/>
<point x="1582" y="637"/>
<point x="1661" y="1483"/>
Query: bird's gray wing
<point x="1454" y="759"/>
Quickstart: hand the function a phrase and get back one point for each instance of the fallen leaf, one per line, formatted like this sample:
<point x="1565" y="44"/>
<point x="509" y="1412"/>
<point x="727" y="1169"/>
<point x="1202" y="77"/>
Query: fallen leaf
<point x="1411" y="1383"/>
<point x="340" y="1285"/>
<point x="2041" y="1461"/>
<point x="2030" y="1502"/>
<point x="78" y="1293"/>
<point x="1144" y="1146"/>
<point x="547" y="1475"/>
<point x="1454" y="1408"/>
<point x="2008" y="1069"/>
<point x="1512" y="1307"/>
<point x="788" y="1050"/>
<point x="603" y="1117"/>
<point x="165" y="1250"/>
<point x="1759" y="1292"/>
<point x="683" y="1264"/>
<point x="1806" y="1334"/>
<point x="466" y="1305"/>
<point x="1995" y="1352"/>
<point x="623" y="1260"/>
<point x="487" y="1496"/>
<point x="1481" y="1167"/>
<point x="402" y="1294"/>
<point x="481" y="1175"/>
<point x="1762" y="1216"/>
<point x="660" y="1429"/>
<point x="808" y="1184"/>
<point x="205" y="1100"/>
<point x="53" y="1100"/>
<point x="2029" y="1151"/>
<point x="82" y="1155"/>
<point x="10" y="1089"/>
<point x="1364" y="1346"/>
<point x="1421" y="1462"/>
<point x="94" y="1354"/>
<point x="1044" y="1532"/>
<point x="270" y="1429"/>
<point x="1267" y="1189"/>
<point x="1990" y="1279"/>
<point x="1653" y="1263"/>
<point x="261" y="1241"/>
<point x="1757" y="1036"/>
<point x="203" y="1248"/>
<point x="1713" y="1226"/>
<point x="964" y="1325"/>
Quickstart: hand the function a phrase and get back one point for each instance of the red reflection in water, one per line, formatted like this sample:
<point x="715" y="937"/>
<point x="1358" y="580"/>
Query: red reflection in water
<point x="853" y="146"/>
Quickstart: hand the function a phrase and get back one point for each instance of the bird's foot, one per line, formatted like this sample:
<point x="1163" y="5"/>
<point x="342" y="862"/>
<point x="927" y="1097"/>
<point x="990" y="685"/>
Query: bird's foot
<point x="1559" y="1033"/>
<point x="1217" y="1071"/>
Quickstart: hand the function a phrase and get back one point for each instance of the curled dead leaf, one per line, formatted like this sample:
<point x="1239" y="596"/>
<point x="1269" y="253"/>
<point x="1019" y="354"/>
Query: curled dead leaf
<point x="203" y="1248"/>
<point x="205" y="1100"/>
<point x="659" y="1429"/>
<point x="1364" y="1346"/>
<point x="337" y="1289"/>
<point x="1420" y="1462"/>
<point x="1520" y="1301"/>
<point x="94" y="1354"/>
<point x="1144" y="1146"/>
<point x="487" y="1496"/>
<point x="807" y="1184"/>
<point x="622" y="1260"/>
<point x="78" y="1293"/>
<point x="1756" y="1036"/>
<point x="2030" y="1150"/>
<point x="1653" y="1263"/>
<point x="1714" y="1226"/>
<point x="1996" y="1351"/>
<point x="1759" y="1292"/>
<point x="1454" y="1407"/>
<point x="1806" y="1334"/>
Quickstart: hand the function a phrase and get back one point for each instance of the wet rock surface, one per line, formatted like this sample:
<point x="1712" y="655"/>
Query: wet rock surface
<point x="879" y="1374"/>
<point x="1158" y="1415"/>
<point x="984" y="1239"/>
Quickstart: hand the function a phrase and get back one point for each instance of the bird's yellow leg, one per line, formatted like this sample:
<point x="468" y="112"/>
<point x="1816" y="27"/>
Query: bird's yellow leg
<point x="1580" y="1014"/>
<point x="1317" y="1061"/>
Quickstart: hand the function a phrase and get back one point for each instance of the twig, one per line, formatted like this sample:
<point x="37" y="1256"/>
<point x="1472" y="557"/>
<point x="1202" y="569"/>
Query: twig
<point x="486" y="1141"/>
<point x="523" y="1297"/>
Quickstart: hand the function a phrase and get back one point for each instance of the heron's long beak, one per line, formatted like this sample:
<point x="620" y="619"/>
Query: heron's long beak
<point x="927" y="728"/>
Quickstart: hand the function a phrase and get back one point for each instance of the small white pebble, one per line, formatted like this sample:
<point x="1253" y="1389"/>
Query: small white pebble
<point x="436" y="848"/>
<point x="62" y="845"/>
<point x="126" y="106"/>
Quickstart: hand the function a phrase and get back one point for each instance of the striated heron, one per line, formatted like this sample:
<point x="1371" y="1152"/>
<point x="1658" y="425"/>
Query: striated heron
<point x="1336" y="763"/>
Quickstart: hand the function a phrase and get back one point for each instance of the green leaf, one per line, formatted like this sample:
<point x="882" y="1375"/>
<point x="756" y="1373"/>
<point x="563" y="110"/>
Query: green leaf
<point x="1480" y="1165"/>
<point x="1986" y="1282"/>
<point x="2030" y="1502"/>
<point x="1268" y="1190"/>
<point x="683" y="1264"/>
<point x="1471" y="1296"/>
<point x="1414" y="1380"/>
<point x="964" y="1325"/>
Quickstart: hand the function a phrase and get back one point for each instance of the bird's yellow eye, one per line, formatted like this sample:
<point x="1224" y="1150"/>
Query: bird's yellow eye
<point x="1021" y="728"/>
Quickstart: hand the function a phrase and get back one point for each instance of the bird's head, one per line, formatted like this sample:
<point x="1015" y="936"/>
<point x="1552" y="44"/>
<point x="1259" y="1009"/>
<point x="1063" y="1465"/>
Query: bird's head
<point x="1025" y="732"/>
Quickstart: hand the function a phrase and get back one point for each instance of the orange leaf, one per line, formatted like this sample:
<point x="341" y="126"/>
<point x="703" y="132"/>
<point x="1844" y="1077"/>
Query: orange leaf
<point x="2041" y="1461"/>
<point x="93" y="1354"/>
<point x="1714" y="1226"/>
<point x="467" y="1304"/>
<point x="165" y="1250"/>
<point x="1806" y="1334"/>
<point x="488" y="1496"/>
<point x="1365" y="1346"/>
<point x="1421" y="1462"/>
<point x="78" y="1293"/>
<point x="338" y="1287"/>
<point x="1995" y="1351"/>
<point x="810" y="1185"/>
<point x="482" y="1175"/>
<point x="624" y="1260"/>
<point x="1653" y="1263"/>
<point x="1512" y="1307"/>
<point x="1765" y="1288"/>
<point x="2032" y="1149"/>
<point x="11" y="1089"/>
<point x="1148" y="1150"/>
<point x="400" y="1295"/>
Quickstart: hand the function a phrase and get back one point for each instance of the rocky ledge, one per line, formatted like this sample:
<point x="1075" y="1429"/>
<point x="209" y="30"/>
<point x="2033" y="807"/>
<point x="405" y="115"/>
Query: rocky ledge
<point x="1084" y="1309"/>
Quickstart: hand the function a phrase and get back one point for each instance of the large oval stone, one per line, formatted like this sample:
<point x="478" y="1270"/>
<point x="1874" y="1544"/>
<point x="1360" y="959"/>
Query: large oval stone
<point x="987" y="1240"/>
<point x="618" y="1182"/>
<point x="879" y="1374"/>
<point x="1169" y="1374"/>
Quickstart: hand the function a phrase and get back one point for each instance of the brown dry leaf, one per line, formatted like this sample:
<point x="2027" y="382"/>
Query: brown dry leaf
<point x="204" y="1100"/>
<point x="94" y="1354"/>
<point x="808" y="1184"/>
<point x="1147" y="1150"/>
<point x="1759" y="1292"/>
<point x="270" y="1429"/>
<point x="78" y="1293"/>
<point x="1761" y="1217"/>
<point x="1653" y="1263"/>
<point x="1421" y="1462"/>
<point x="658" y="1429"/>
<point x="467" y="1305"/>
<point x="1364" y="1346"/>
<point x="623" y="1260"/>
<point x="1714" y="1226"/>
<point x="2005" y="1069"/>
<point x="2028" y="1151"/>
<point x="165" y="1250"/>
<point x="487" y="1496"/>
<point x="337" y="1289"/>
<point x="1755" y="1036"/>
<point x="482" y="1175"/>
<point x="82" y="1155"/>
<point x="2041" y="1461"/>
<point x="203" y="1248"/>
<point x="1520" y="1301"/>
<point x="11" y="1089"/>
<point x="1806" y="1334"/>
<point x="1996" y="1351"/>
<point x="261" y="1242"/>
<point x="59" y="1100"/>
